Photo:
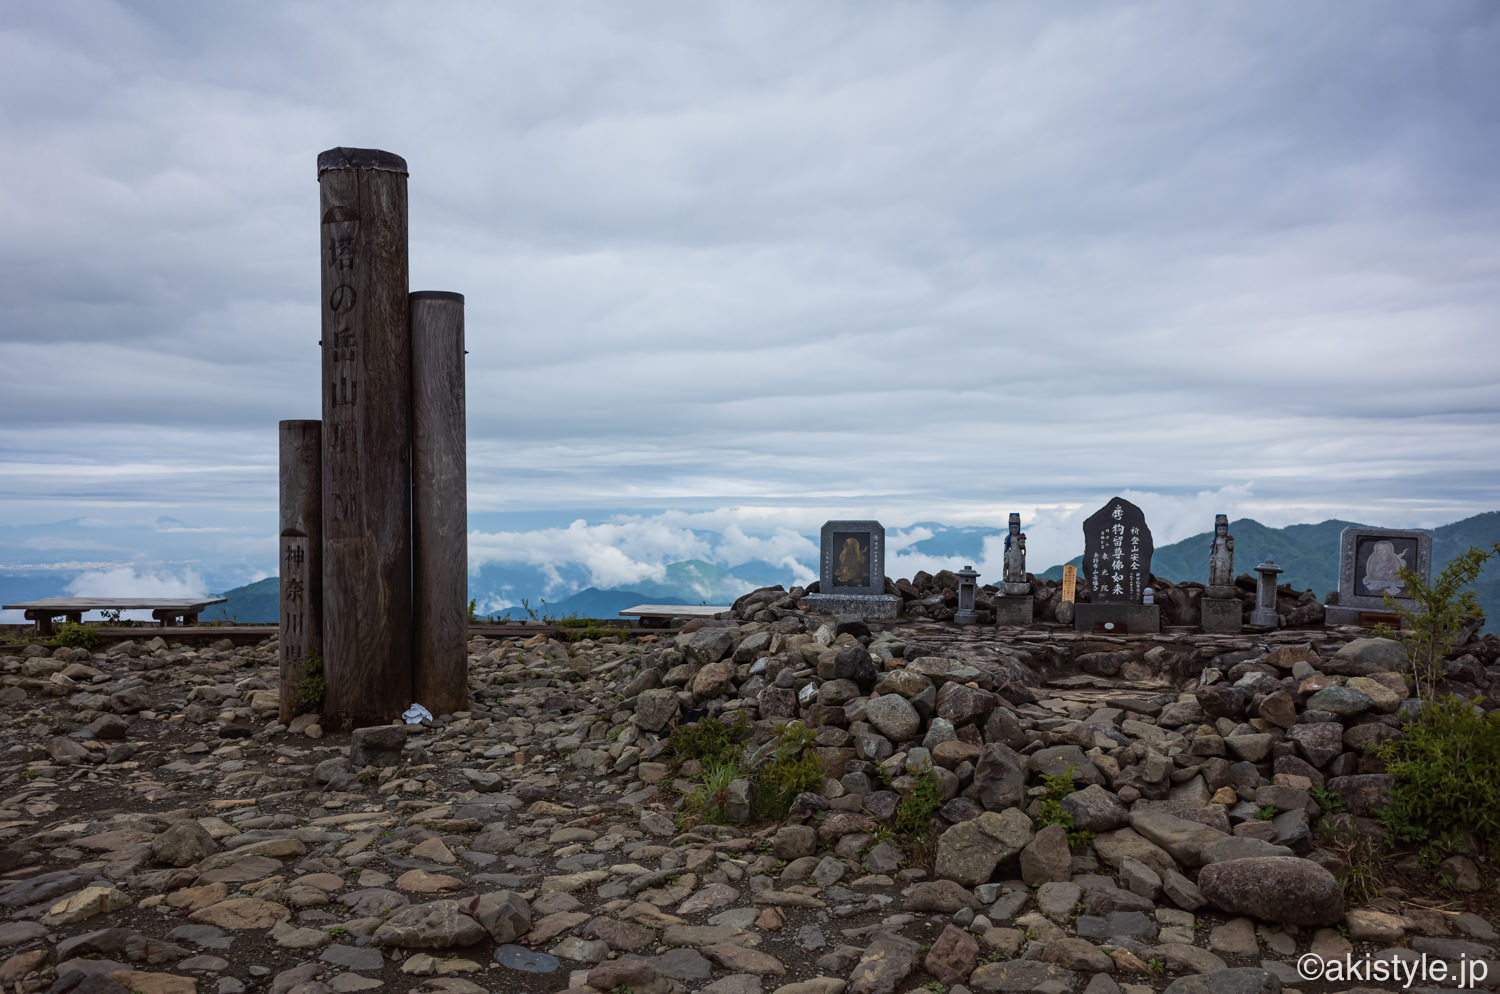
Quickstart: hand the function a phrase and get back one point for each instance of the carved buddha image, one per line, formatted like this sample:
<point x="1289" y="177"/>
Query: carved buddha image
<point x="853" y="566"/>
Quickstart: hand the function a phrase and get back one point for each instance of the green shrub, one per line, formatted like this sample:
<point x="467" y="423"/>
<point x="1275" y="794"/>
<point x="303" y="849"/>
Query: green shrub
<point x="792" y="768"/>
<point x="74" y="635"/>
<point x="707" y="738"/>
<point x="914" y="813"/>
<point x="710" y="799"/>
<point x="1446" y="608"/>
<point x="1053" y="813"/>
<point x="1447" y="769"/>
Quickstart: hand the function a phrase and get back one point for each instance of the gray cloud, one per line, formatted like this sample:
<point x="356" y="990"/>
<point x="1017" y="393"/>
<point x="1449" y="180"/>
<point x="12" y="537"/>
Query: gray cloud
<point x="931" y="259"/>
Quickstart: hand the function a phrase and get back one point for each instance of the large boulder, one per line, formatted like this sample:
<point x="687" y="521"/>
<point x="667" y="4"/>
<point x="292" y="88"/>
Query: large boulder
<point x="1280" y="889"/>
<point x="970" y="851"/>
<point x="1000" y="778"/>
<point x="1365" y="656"/>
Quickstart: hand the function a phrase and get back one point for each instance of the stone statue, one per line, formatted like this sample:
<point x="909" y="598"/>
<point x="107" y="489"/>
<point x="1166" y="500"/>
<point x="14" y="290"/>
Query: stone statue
<point x="1015" y="559"/>
<point x="1221" y="554"/>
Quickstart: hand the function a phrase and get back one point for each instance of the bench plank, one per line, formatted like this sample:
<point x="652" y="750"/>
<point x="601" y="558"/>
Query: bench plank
<point x="163" y="609"/>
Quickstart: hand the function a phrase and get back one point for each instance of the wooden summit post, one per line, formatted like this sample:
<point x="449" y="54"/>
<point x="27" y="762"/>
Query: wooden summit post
<point x="440" y="506"/>
<point x="367" y="566"/>
<point x="301" y="558"/>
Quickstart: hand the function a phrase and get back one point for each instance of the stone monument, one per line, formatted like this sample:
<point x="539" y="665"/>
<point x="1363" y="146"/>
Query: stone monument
<point x="1117" y="560"/>
<point x="1370" y="564"/>
<point x="1221" y="609"/>
<point x="1264" y="615"/>
<point x="1014" y="606"/>
<point x="851" y="574"/>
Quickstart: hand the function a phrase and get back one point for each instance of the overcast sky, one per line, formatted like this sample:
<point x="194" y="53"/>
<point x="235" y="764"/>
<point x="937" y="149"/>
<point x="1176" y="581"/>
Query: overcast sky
<point x="763" y="264"/>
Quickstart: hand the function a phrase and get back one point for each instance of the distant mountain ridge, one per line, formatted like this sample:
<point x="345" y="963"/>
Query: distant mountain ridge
<point x="1307" y="552"/>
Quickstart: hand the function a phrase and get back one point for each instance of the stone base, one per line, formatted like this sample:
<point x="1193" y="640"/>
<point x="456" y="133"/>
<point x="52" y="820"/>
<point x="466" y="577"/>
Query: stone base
<point x="1221" y="592"/>
<point x="1221" y="615"/>
<point x="1016" y="589"/>
<point x="859" y="605"/>
<point x="1131" y="619"/>
<point x="964" y="617"/>
<point x="1013" y="611"/>
<point x="1369" y="617"/>
<point x="1265" y="618"/>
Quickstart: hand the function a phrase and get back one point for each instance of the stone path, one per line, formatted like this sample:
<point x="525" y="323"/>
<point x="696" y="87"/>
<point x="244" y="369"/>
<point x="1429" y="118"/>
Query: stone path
<point x="162" y="833"/>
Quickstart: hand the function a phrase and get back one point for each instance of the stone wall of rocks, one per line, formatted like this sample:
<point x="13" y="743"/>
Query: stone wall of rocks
<point x="934" y="596"/>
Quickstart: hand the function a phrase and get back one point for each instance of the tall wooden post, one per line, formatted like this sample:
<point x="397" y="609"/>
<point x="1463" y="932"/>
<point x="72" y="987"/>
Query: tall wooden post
<point x="366" y="438"/>
<point x="440" y="502"/>
<point x="301" y="560"/>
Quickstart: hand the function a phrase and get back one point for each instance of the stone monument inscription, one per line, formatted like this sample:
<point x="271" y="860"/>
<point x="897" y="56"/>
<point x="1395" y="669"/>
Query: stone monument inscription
<point x="1117" y="552"/>
<point x="851" y="571"/>
<point x="1370" y="564"/>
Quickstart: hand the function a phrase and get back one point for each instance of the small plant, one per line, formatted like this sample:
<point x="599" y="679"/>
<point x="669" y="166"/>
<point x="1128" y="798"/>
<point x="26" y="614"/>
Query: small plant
<point x="1053" y="813"/>
<point x="620" y="989"/>
<point x="1328" y="801"/>
<point x="1446" y="610"/>
<point x="914" y="813"/>
<point x="1157" y="966"/>
<point x="1447" y="769"/>
<point x="1266" y="813"/>
<point x="792" y="768"/>
<point x="76" y="636"/>
<point x="472" y="617"/>
<point x="706" y="738"/>
<point x="338" y="931"/>
<point x="710" y="799"/>
<point x="30" y="774"/>
<point x="936" y="986"/>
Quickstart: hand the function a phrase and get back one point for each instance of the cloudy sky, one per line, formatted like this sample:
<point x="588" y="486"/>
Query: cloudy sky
<point x="755" y="265"/>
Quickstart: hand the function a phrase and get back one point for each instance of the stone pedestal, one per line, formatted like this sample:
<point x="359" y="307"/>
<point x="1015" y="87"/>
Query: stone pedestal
<point x="1123" y="618"/>
<point x="1011" y="610"/>
<point x="860" y="605"/>
<point x="1016" y="589"/>
<point x="1222" y="615"/>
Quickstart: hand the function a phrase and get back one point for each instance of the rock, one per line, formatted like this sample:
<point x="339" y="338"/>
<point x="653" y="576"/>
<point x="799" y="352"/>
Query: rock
<point x="969" y="852"/>
<point x="713" y="681"/>
<point x="655" y="709"/>
<point x="1236" y="980"/>
<point x="1021" y="975"/>
<point x="634" y="975"/>
<point x="439" y="924"/>
<point x="1279" y="889"/>
<point x="946" y="896"/>
<point x="885" y="962"/>
<point x="708" y="645"/>
<point x="1095" y="809"/>
<point x="852" y="662"/>
<point x="182" y="844"/>
<point x="1000" y="778"/>
<point x="86" y="904"/>
<point x="1319" y="743"/>
<point x="378" y="745"/>
<point x="1047" y="857"/>
<point x="242" y="912"/>
<point x="1363" y="793"/>
<point x="952" y="956"/>
<point x="1342" y="701"/>
<point x="894" y="717"/>
<point x="1183" y="840"/>
<point x="1362" y="657"/>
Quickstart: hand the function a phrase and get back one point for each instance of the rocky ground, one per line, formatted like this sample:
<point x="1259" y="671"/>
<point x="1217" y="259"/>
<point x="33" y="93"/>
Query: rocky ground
<point x="162" y="831"/>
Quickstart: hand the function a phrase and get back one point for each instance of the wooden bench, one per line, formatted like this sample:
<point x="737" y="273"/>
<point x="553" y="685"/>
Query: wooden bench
<point x="662" y="615"/>
<point x="164" y="609"/>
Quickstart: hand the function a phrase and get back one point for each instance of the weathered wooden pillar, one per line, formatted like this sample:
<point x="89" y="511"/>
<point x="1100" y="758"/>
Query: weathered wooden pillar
<point x="366" y="438"/>
<point x="301" y="564"/>
<point x="440" y="505"/>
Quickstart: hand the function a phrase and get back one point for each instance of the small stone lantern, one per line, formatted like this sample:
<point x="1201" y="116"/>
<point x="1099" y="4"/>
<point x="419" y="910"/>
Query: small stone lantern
<point x="966" y="586"/>
<point x="1264" y="615"/>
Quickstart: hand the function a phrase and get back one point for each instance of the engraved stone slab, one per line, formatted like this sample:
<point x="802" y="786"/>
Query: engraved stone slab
<point x="1369" y="562"/>
<point x="853" y="558"/>
<point x="1117" y="552"/>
